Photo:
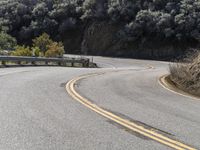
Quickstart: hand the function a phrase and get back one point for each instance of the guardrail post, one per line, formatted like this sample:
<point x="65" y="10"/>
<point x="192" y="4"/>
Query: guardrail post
<point x="72" y="63"/>
<point x="59" y="63"/>
<point x="3" y="63"/>
<point x="86" y="63"/>
<point x="33" y="63"/>
<point x="19" y="62"/>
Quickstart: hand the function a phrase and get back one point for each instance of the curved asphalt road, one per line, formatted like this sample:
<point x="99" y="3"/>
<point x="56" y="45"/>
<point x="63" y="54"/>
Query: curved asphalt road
<point x="36" y="113"/>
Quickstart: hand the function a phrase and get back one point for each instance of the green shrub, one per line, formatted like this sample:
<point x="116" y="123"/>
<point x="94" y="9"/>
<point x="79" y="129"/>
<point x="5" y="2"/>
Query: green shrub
<point x="4" y="52"/>
<point x="36" y="51"/>
<point x="22" y="51"/>
<point x="7" y="42"/>
<point x="56" y="49"/>
<point x="42" y="42"/>
<point x="42" y="46"/>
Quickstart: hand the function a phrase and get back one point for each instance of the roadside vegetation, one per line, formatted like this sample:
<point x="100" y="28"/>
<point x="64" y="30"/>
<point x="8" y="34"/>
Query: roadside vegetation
<point x="42" y="46"/>
<point x="133" y="28"/>
<point x="186" y="74"/>
<point x="7" y="43"/>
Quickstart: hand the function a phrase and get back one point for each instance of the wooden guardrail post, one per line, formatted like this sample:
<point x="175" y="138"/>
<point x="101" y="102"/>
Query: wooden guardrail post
<point x="72" y="62"/>
<point x="3" y="63"/>
<point x="19" y="62"/>
<point x="59" y="63"/>
<point x="33" y="63"/>
<point x="86" y="63"/>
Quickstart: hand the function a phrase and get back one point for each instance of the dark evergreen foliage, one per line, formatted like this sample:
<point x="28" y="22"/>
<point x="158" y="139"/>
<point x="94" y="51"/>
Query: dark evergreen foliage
<point x="174" y="20"/>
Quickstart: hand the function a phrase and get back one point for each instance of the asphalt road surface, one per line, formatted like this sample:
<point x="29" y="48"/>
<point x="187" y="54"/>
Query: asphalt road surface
<point x="37" y="113"/>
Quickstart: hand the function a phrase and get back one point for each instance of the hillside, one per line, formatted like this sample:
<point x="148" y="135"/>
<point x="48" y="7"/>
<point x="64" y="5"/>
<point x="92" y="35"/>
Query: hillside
<point x="128" y="28"/>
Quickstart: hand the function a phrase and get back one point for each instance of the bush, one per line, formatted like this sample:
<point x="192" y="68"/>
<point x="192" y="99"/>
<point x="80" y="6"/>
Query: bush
<point x="55" y="50"/>
<point x="7" y="42"/>
<point x="4" y="52"/>
<point x="42" y="42"/>
<point x="186" y="74"/>
<point x="42" y="46"/>
<point x="22" y="51"/>
<point x="36" y="51"/>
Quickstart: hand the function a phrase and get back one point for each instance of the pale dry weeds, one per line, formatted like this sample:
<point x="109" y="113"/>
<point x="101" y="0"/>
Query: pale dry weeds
<point x="186" y="74"/>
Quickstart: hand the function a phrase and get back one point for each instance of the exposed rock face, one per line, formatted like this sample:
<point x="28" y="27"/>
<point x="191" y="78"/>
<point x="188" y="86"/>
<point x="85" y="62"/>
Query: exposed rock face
<point x="72" y="41"/>
<point x="100" y="39"/>
<point x="165" y="52"/>
<point x="155" y="49"/>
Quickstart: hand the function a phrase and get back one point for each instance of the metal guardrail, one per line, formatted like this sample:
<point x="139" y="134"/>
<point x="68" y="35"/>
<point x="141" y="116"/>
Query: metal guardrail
<point x="65" y="61"/>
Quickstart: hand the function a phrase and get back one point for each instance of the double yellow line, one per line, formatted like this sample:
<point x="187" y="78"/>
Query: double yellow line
<point x="70" y="87"/>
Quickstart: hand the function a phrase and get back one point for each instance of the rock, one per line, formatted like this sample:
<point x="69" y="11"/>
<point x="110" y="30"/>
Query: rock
<point x="100" y="39"/>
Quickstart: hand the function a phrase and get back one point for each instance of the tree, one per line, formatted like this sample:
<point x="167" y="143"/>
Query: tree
<point x="40" y="10"/>
<point x="137" y="20"/>
<point x="94" y="9"/>
<point x="123" y="10"/>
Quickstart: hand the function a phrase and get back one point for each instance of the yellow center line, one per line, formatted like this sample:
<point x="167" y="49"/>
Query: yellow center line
<point x="70" y="87"/>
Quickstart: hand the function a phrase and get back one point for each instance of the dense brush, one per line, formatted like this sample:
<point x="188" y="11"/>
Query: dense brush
<point x="186" y="74"/>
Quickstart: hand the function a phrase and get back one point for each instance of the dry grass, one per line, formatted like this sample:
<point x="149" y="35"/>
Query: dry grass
<point x="186" y="73"/>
